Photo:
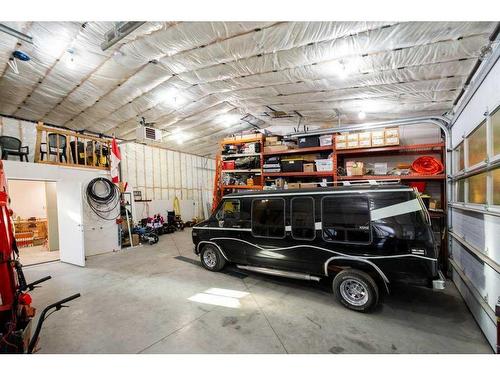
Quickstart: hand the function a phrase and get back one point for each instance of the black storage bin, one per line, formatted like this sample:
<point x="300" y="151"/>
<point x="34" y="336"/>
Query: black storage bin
<point x="310" y="141"/>
<point x="292" y="165"/>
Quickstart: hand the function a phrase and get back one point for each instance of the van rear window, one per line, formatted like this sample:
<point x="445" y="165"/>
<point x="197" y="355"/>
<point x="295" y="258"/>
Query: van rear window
<point x="346" y="219"/>
<point x="268" y="218"/>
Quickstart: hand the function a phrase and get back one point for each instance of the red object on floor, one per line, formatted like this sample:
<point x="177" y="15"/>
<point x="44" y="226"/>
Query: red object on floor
<point x="427" y="165"/>
<point x="419" y="185"/>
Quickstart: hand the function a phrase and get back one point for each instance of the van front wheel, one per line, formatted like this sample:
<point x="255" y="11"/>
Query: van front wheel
<point x="211" y="258"/>
<point x="356" y="290"/>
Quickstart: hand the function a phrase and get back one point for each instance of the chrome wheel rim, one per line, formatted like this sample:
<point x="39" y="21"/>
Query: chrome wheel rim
<point x="354" y="292"/>
<point x="210" y="258"/>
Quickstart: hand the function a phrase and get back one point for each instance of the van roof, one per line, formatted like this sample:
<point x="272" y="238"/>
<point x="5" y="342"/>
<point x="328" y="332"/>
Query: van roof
<point x="327" y="190"/>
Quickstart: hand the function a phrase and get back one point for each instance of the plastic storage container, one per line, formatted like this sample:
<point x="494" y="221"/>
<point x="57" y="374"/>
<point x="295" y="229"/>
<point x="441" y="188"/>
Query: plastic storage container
<point x="310" y="141"/>
<point x="325" y="140"/>
<point x="228" y="164"/>
<point x="292" y="165"/>
<point x="324" y="165"/>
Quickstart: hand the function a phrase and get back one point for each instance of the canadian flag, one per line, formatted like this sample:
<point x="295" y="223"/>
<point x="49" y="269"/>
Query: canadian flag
<point x="116" y="157"/>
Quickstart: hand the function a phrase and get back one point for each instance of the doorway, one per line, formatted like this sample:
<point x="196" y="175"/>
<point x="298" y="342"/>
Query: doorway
<point x="35" y="218"/>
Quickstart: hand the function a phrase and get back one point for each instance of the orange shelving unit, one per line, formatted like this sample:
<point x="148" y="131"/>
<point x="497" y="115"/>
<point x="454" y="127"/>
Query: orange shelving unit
<point x="220" y="189"/>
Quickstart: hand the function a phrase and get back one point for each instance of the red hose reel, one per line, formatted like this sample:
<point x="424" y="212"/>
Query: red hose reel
<point x="427" y="165"/>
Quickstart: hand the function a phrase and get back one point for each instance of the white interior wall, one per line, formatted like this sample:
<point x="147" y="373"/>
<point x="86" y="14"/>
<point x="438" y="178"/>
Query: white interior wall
<point x="52" y="220"/>
<point x="476" y="277"/>
<point x="28" y="199"/>
<point x="161" y="175"/>
<point x="100" y="236"/>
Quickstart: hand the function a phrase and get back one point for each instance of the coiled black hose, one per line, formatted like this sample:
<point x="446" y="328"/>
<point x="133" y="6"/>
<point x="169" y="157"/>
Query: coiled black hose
<point x="103" y="204"/>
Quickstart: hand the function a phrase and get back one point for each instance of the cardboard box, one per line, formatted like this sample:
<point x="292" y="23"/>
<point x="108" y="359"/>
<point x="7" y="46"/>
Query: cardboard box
<point x="364" y="136"/>
<point x="392" y="141"/>
<point x="277" y="148"/>
<point x="135" y="239"/>
<point x="365" y="143"/>
<point x="352" y="144"/>
<point x="341" y="138"/>
<point x="351" y="137"/>
<point x="355" y="168"/>
<point x="377" y="142"/>
<point x="272" y="140"/>
<point x="294" y="185"/>
<point x="309" y="167"/>
<point x="392" y="133"/>
<point x="341" y="145"/>
<point x="378" y="134"/>
<point x="310" y="157"/>
<point x="434" y="204"/>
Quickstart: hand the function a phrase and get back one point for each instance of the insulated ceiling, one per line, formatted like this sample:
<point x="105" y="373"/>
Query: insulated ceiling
<point x="196" y="80"/>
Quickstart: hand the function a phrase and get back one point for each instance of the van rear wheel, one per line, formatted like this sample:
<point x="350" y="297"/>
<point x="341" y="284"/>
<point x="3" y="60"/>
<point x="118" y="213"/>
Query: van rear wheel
<point x="211" y="258"/>
<point x="356" y="290"/>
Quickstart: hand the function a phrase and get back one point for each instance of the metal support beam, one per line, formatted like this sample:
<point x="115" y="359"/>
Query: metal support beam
<point x="16" y="34"/>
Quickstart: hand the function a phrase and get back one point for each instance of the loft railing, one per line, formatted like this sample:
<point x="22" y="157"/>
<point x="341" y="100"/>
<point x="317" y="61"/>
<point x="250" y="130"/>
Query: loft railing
<point x="72" y="149"/>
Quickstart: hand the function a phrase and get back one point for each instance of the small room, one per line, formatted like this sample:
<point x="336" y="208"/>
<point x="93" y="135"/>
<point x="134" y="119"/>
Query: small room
<point x="34" y="206"/>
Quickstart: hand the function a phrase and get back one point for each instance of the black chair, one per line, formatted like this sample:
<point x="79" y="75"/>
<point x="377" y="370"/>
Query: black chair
<point x="77" y="152"/>
<point x="52" y="148"/>
<point x="12" y="146"/>
<point x="97" y="154"/>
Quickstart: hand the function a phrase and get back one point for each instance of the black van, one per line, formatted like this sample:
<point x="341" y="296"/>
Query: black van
<point x="364" y="236"/>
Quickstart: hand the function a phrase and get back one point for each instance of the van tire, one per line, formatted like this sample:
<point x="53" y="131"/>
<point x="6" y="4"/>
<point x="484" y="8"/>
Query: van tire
<point x="356" y="290"/>
<point x="211" y="258"/>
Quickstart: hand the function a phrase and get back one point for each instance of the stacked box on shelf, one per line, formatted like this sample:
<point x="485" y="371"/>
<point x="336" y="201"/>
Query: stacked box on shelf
<point x="272" y="164"/>
<point x="391" y="137"/>
<point x="378" y="138"/>
<point x="308" y="141"/>
<point x="341" y="141"/>
<point x="352" y="140"/>
<point x="292" y="164"/>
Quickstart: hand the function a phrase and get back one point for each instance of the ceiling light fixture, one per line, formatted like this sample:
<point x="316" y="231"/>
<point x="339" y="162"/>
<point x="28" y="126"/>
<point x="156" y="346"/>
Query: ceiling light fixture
<point x="70" y="59"/>
<point x="229" y="119"/>
<point x="173" y="99"/>
<point x="361" y="115"/>
<point x="179" y="136"/>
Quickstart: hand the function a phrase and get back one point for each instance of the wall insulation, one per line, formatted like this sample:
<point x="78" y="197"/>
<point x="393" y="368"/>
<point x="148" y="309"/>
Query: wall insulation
<point x="159" y="174"/>
<point x="162" y="175"/>
<point x="475" y="227"/>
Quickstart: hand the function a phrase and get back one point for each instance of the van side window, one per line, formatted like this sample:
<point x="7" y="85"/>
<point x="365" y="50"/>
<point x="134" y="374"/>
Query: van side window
<point x="268" y="217"/>
<point x="303" y="218"/>
<point x="346" y="219"/>
<point x="230" y="215"/>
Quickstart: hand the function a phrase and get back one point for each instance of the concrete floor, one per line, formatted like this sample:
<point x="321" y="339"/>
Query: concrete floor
<point x="146" y="300"/>
<point x="36" y="254"/>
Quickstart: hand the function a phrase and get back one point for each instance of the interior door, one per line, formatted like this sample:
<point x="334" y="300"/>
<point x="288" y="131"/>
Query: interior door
<point x="70" y="219"/>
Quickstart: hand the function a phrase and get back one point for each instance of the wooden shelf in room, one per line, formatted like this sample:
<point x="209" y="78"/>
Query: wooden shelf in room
<point x="304" y="150"/>
<point x="419" y="148"/>
<point x="299" y="174"/>
<point x="390" y="177"/>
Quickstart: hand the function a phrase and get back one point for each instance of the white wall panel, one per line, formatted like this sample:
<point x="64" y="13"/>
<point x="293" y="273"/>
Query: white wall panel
<point x="162" y="174"/>
<point x="476" y="279"/>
